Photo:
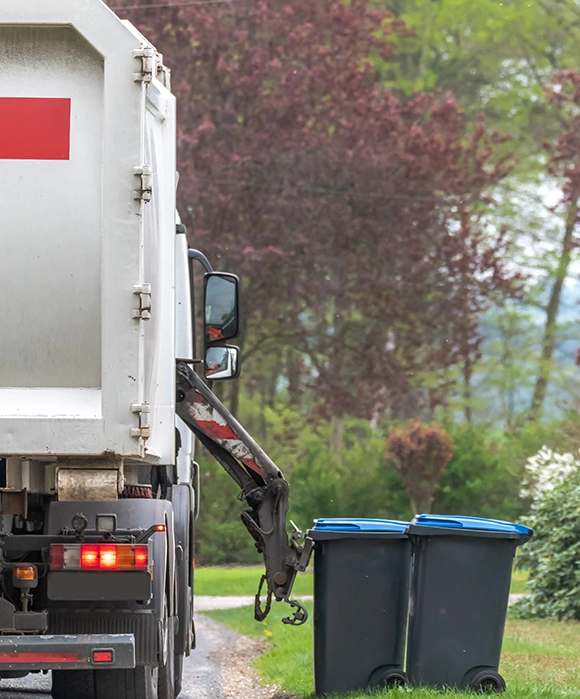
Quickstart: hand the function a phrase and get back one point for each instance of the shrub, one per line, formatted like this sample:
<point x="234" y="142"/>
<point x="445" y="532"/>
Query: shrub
<point x="420" y="455"/>
<point x="553" y="555"/>
<point x="483" y="478"/>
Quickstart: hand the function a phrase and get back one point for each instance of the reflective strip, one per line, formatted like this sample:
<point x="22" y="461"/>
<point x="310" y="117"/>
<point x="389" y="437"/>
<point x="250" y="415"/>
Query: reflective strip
<point x="41" y="658"/>
<point x="212" y="424"/>
<point x="34" y="128"/>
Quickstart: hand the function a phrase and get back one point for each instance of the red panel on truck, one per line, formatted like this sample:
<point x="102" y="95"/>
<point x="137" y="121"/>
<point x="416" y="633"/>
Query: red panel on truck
<point x="34" y="128"/>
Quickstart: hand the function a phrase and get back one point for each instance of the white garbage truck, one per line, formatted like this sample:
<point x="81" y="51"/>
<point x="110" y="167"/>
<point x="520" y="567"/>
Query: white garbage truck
<point x="101" y="391"/>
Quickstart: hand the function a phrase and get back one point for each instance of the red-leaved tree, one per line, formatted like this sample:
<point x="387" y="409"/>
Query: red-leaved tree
<point x="358" y="221"/>
<point x="420" y="454"/>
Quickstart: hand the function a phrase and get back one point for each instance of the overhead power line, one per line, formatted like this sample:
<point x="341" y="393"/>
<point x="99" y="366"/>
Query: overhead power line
<point x="177" y="4"/>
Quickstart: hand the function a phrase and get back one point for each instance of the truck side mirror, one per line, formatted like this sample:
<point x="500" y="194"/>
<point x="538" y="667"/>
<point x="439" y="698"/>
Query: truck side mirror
<point x="222" y="363"/>
<point x="221" y="307"/>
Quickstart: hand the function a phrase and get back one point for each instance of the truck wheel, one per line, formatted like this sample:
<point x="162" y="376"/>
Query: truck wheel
<point x="167" y="671"/>
<point x="73" y="684"/>
<point x="140" y="683"/>
<point x="178" y="661"/>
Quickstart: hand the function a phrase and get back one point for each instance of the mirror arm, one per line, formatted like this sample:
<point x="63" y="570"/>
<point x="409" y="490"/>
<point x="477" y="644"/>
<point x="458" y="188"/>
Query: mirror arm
<point x="200" y="257"/>
<point x="193" y="256"/>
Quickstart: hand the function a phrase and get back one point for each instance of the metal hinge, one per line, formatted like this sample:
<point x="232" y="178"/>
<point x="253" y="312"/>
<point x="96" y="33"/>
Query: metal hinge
<point x="148" y="57"/>
<point x="144" y="412"/>
<point x="144" y="293"/>
<point x="145" y="191"/>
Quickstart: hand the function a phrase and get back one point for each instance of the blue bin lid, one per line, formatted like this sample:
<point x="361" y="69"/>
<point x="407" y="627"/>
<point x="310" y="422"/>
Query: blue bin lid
<point x="473" y="523"/>
<point x="347" y="524"/>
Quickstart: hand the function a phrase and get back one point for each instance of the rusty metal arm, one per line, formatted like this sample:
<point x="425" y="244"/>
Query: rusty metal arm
<point x="261" y="482"/>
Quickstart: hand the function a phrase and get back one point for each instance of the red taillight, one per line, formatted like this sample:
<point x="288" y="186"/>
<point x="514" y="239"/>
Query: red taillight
<point x="108" y="557"/>
<point x="89" y="557"/>
<point x="57" y="556"/>
<point x="99" y="557"/>
<point x="103" y="656"/>
<point x="141" y="557"/>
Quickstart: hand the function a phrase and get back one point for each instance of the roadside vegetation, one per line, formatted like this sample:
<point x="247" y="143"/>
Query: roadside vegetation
<point x="243" y="581"/>
<point x="240" y="581"/>
<point x="539" y="659"/>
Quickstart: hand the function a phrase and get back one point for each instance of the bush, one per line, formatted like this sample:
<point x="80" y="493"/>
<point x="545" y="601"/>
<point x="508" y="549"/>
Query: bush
<point x="420" y="454"/>
<point x="483" y="478"/>
<point x="553" y="555"/>
<point x="221" y="538"/>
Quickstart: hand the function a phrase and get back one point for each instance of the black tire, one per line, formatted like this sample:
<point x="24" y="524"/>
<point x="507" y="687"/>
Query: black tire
<point x="178" y="664"/>
<point x="73" y="684"/>
<point x="487" y="682"/>
<point x="140" y="683"/>
<point x="167" y="672"/>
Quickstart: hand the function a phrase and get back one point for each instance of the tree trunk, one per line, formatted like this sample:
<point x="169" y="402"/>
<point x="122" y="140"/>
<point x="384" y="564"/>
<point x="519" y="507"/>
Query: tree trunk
<point x="421" y="506"/>
<point x="467" y="392"/>
<point x="550" y="328"/>
<point x="235" y="385"/>
<point x="293" y="371"/>
<point x="338" y="435"/>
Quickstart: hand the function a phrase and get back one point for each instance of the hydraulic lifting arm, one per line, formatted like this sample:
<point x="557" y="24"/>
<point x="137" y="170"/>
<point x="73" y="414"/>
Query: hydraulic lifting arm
<point x="261" y="483"/>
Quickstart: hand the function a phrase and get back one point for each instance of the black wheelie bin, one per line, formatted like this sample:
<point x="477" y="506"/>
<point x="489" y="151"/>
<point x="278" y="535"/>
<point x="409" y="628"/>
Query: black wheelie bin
<point x="361" y="591"/>
<point x="460" y="587"/>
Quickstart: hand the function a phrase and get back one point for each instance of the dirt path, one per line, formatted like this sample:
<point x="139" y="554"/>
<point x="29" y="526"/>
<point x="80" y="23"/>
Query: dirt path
<point x="221" y="665"/>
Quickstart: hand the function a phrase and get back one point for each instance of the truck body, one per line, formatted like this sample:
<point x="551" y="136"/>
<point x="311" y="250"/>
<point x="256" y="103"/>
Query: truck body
<point x="98" y="400"/>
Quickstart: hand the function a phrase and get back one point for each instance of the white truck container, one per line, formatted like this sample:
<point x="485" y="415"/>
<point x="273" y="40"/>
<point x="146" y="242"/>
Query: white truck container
<point x="87" y="218"/>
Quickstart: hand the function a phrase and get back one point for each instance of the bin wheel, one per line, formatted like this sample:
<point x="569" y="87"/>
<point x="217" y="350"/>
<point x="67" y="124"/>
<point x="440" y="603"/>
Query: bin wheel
<point x="393" y="679"/>
<point x="487" y="682"/>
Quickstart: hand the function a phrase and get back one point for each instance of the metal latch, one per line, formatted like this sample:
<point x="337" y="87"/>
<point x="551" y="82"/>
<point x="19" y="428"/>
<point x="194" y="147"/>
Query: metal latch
<point x="148" y="56"/>
<point x="144" y="412"/>
<point x="144" y="293"/>
<point x="145" y="191"/>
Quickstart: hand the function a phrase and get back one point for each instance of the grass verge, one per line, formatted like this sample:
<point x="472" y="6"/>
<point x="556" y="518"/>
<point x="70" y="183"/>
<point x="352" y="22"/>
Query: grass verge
<point x="241" y="580"/>
<point x="519" y="581"/>
<point x="541" y="659"/>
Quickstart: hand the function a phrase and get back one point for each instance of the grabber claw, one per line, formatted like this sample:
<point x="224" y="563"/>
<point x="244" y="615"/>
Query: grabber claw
<point x="300" y="615"/>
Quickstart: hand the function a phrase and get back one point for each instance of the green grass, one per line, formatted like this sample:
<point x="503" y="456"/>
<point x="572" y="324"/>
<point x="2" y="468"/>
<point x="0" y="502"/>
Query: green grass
<point x="241" y="580"/>
<point x="541" y="659"/>
<point x="519" y="581"/>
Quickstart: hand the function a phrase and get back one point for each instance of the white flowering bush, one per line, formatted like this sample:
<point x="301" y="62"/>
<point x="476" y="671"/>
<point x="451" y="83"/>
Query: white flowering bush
<point x="553" y="554"/>
<point x="545" y="471"/>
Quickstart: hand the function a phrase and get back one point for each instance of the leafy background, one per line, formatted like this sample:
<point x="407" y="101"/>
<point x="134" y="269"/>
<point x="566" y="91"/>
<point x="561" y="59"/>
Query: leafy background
<point x="397" y="184"/>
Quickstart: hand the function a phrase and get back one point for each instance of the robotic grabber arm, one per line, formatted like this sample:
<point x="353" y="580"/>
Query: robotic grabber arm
<point x="261" y="483"/>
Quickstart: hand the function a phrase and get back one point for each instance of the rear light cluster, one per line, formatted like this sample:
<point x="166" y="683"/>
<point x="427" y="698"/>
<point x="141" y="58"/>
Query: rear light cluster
<point x="99" y="557"/>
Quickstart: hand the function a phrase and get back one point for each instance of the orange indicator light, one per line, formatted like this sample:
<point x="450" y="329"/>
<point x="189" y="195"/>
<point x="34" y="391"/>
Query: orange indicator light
<point x="25" y="573"/>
